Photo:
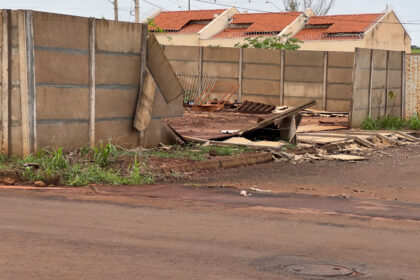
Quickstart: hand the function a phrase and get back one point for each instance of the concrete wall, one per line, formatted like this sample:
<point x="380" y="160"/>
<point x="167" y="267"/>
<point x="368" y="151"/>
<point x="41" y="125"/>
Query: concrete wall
<point x="412" y="85"/>
<point x="272" y="76"/>
<point x="71" y="81"/>
<point x="378" y="88"/>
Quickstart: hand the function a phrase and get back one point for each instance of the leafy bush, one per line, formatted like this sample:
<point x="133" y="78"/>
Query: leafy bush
<point x="283" y="42"/>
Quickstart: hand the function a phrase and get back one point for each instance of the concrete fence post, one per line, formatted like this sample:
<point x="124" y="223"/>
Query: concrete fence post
<point x="200" y="69"/>
<point x="92" y="81"/>
<point x="370" y="84"/>
<point x="30" y="48"/>
<point x="403" y="74"/>
<point x="240" y="73"/>
<point x="282" y="61"/>
<point x="6" y="30"/>
<point x="26" y="78"/>
<point x="324" y="82"/>
<point x="387" y="83"/>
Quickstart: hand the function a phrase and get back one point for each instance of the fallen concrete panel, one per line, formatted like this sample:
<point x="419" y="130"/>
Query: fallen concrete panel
<point x="145" y="103"/>
<point x="162" y="71"/>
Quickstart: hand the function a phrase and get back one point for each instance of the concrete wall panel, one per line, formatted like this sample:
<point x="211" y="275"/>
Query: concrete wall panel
<point x="255" y="71"/>
<point x="303" y="74"/>
<point x="379" y="59"/>
<point x="338" y="105"/>
<point x="261" y="87"/>
<point x="304" y="58"/>
<point x="61" y="31"/>
<point x="221" y="54"/>
<point x="184" y="66"/>
<point x="261" y="56"/>
<point x="340" y="75"/>
<point x="394" y="79"/>
<point x="112" y="69"/>
<point x="226" y="70"/>
<point x="61" y="68"/>
<point x="120" y="132"/>
<point x="115" y="103"/>
<point x="62" y="103"/>
<point x="341" y="59"/>
<point x="395" y="60"/>
<point x="303" y="90"/>
<point x="182" y="52"/>
<point x="68" y="135"/>
<point x="379" y="79"/>
<point x="363" y="78"/>
<point x="118" y="36"/>
<point x="361" y="99"/>
<point x="339" y="91"/>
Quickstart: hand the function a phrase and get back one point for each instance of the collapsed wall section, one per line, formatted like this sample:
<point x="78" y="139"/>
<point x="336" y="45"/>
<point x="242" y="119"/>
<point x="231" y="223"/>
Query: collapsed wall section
<point x="272" y="76"/>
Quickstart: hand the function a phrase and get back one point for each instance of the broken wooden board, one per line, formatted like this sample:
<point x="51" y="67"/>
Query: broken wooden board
<point x="344" y="157"/>
<point x="319" y="128"/>
<point x="321" y="140"/>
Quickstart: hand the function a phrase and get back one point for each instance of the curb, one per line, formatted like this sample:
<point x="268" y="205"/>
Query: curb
<point x="242" y="160"/>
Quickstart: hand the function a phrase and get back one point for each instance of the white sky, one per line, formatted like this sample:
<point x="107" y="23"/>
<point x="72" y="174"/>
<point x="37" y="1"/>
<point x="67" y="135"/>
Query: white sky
<point x="407" y="10"/>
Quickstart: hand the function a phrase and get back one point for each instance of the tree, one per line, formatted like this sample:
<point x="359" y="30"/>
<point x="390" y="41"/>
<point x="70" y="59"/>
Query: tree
<point x="319" y="7"/>
<point x="273" y="43"/>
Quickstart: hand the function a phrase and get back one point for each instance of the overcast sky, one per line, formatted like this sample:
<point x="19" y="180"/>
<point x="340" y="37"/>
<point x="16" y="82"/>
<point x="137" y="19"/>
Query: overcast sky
<point x="407" y="10"/>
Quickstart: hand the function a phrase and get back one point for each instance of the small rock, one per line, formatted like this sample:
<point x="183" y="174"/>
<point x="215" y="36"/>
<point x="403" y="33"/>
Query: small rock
<point x="40" y="184"/>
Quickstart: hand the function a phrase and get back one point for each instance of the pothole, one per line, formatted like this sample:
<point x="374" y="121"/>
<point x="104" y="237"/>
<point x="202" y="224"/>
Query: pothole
<point x="319" y="269"/>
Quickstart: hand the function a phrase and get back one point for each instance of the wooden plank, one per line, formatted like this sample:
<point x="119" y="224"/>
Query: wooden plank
<point x="23" y="80"/>
<point x="355" y="138"/>
<point x="6" y="30"/>
<point x="92" y="81"/>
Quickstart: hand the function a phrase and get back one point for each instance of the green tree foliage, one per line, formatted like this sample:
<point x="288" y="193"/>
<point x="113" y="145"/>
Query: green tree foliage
<point x="283" y="42"/>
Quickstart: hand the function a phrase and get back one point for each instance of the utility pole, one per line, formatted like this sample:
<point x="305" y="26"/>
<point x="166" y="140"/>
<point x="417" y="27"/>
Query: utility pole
<point x="116" y="10"/>
<point x="137" y="8"/>
<point x="189" y="5"/>
<point x="115" y="3"/>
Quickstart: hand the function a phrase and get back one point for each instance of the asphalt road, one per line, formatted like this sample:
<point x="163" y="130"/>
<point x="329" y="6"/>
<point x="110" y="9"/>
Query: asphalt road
<point x="198" y="233"/>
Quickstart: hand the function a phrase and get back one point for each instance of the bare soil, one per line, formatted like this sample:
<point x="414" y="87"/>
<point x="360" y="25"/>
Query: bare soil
<point x="208" y="125"/>
<point x="390" y="174"/>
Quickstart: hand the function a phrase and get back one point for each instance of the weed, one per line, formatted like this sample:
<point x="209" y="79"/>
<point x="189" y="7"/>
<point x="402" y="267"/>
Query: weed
<point x="391" y="123"/>
<point x="103" y="152"/>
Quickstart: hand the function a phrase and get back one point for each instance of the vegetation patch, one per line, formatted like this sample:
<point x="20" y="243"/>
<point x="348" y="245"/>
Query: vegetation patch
<point x="391" y="123"/>
<point x="108" y="164"/>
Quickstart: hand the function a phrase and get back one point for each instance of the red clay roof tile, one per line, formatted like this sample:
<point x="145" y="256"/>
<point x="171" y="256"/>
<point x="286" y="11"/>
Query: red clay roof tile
<point x="348" y="25"/>
<point x="175" y="21"/>
<point x="258" y="23"/>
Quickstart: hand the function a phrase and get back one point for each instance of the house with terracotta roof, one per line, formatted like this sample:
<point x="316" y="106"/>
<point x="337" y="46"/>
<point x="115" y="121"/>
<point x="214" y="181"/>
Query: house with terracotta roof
<point x="225" y="28"/>
<point x="347" y="32"/>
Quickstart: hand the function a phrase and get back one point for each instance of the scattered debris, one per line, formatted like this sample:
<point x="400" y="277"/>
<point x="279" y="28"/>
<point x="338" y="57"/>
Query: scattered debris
<point x="260" y="190"/>
<point x="344" y="157"/>
<point x="203" y="102"/>
<point x="249" y="107"/>
<point x="244" y="193"/>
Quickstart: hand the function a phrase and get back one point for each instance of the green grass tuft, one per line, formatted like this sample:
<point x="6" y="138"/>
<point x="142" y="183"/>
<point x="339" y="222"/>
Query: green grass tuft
<point x="391" y="123"/>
